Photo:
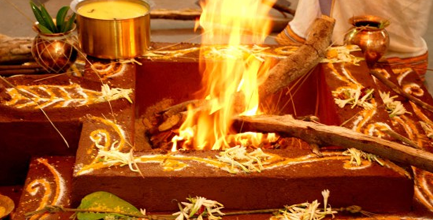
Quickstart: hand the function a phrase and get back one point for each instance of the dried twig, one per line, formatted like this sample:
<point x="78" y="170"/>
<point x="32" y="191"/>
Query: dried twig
<point x="7" y="70"/>
<point x="400" y="91"/>
<point x="401" y="138"/>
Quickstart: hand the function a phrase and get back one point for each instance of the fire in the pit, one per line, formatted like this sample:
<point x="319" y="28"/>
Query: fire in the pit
<point x="231" y="74"/>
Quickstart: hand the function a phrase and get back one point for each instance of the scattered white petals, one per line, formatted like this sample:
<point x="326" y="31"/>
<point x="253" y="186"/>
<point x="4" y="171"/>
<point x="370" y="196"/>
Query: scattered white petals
<point x="110" y="94"/>
<point x="394" y="108"/>
<point x="356" y="157"/>
<point x="307" y="211"/>
<point x="428" y="129"/>
<point x="199" y="207"/>
<point x="342" y="55"/>
<point x="240" y="159"/>
<point x="354" y="97"/>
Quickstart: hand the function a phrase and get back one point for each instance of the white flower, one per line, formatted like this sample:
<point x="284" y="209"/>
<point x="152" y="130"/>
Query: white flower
<point x="342" y="55"/>
<point x="110" y="94"/>
<point x="325" y="194"/>
<point x="199" y="207"/>
<point x="356" y="156"/>
<point x="240" y="159"/>
<point x="143" y="211"/>
<point x="428" y="129"/>
<point x="306" y="211"/>
<point x="114" y="157"/>
<point x="392" y="107"/>
<point x="353" y="96"/>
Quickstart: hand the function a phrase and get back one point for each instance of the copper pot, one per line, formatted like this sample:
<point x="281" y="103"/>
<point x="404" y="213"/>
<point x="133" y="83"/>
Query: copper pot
<point x="55" y="52"/>
<point x="369" y="33"/>
<point x="113" y="38"/>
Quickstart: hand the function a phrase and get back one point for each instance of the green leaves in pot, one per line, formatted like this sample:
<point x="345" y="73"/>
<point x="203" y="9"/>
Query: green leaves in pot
<point x="46" y="24"/>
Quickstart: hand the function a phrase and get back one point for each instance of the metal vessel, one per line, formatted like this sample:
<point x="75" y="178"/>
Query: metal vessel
<point x="114" y="38"/>
<point x="369" y="33"/>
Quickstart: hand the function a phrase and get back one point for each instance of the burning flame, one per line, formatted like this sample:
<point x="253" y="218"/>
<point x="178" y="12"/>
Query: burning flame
<point x="231" y="73"/>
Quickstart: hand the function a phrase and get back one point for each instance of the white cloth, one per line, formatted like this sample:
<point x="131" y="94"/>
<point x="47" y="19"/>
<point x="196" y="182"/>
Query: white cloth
<point x="408" y="21"/>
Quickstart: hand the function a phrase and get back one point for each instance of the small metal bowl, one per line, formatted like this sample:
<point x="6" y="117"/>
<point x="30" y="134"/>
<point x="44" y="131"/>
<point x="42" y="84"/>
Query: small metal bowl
<point x="6" y="206"/>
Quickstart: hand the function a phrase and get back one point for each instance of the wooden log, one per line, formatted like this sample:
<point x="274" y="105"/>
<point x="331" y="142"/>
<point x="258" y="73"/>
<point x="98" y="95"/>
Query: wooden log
<point x="15" y="50"/>
<point x="303" y="60"/>
<point x="186" y="14"/>
<point x="27" y="68"/>
<point x="278" y="23"/>
<point x="284" y="8"/>
<point x="181" y="107"/>
<point x="324" y="135"/>
<point x="194" y="14"/>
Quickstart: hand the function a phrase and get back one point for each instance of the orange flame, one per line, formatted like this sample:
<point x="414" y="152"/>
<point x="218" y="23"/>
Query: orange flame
<point x="231" y="72"/>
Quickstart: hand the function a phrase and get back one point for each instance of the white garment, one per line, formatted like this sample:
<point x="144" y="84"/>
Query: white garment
<point x="408" y="21"/>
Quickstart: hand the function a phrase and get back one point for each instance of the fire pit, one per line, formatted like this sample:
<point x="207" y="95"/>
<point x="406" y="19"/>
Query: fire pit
<point x="235" y="79"/>
<point x="289" y="175"/>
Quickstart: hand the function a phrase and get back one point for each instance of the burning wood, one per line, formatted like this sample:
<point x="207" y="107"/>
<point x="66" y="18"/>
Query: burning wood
<point x="317" y="134"/>
<point x="324" y="135"/>
<point x="280" y="76"/>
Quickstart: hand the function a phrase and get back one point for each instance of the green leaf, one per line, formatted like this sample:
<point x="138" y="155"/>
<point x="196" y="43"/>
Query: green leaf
<point x="105" y="201"/>
<point x="48" y="19"/>
<point x="38" y="14"/>
<point x="60" y="18"/>
<point x="69" y="24"/>
<point x="44" y="29"/>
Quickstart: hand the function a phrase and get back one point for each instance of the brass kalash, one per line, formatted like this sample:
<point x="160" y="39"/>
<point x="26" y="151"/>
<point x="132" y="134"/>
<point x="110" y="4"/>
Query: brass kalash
<point x="121" y="35"/>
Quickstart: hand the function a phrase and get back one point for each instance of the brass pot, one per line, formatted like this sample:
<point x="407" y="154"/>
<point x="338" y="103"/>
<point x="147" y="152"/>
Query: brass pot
<point x="113" y="38"/>
<point x="369" y="33"/>
<point x="55" y="52"/>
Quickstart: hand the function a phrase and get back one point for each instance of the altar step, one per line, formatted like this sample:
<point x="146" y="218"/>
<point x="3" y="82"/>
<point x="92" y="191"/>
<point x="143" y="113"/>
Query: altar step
<point x="48" y="183"/>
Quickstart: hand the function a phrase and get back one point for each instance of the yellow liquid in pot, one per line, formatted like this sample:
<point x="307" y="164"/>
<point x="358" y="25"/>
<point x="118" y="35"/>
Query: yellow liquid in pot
<point x="110" y="10"/>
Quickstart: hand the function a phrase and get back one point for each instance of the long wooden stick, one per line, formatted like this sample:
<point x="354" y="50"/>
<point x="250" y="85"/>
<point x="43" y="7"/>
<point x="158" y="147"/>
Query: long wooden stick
<point x="186" y="14"/>
<point x="194" y="14"/>
<point x="303" y="60"/>
<point x="400" y="91"/>
<point x="14" y="67"/>
<point x="324" y="135"/>
<point x="21" y="71"/>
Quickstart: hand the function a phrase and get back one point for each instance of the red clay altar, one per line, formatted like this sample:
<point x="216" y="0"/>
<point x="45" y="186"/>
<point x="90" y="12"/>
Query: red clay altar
<point x="290" y="175"/>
